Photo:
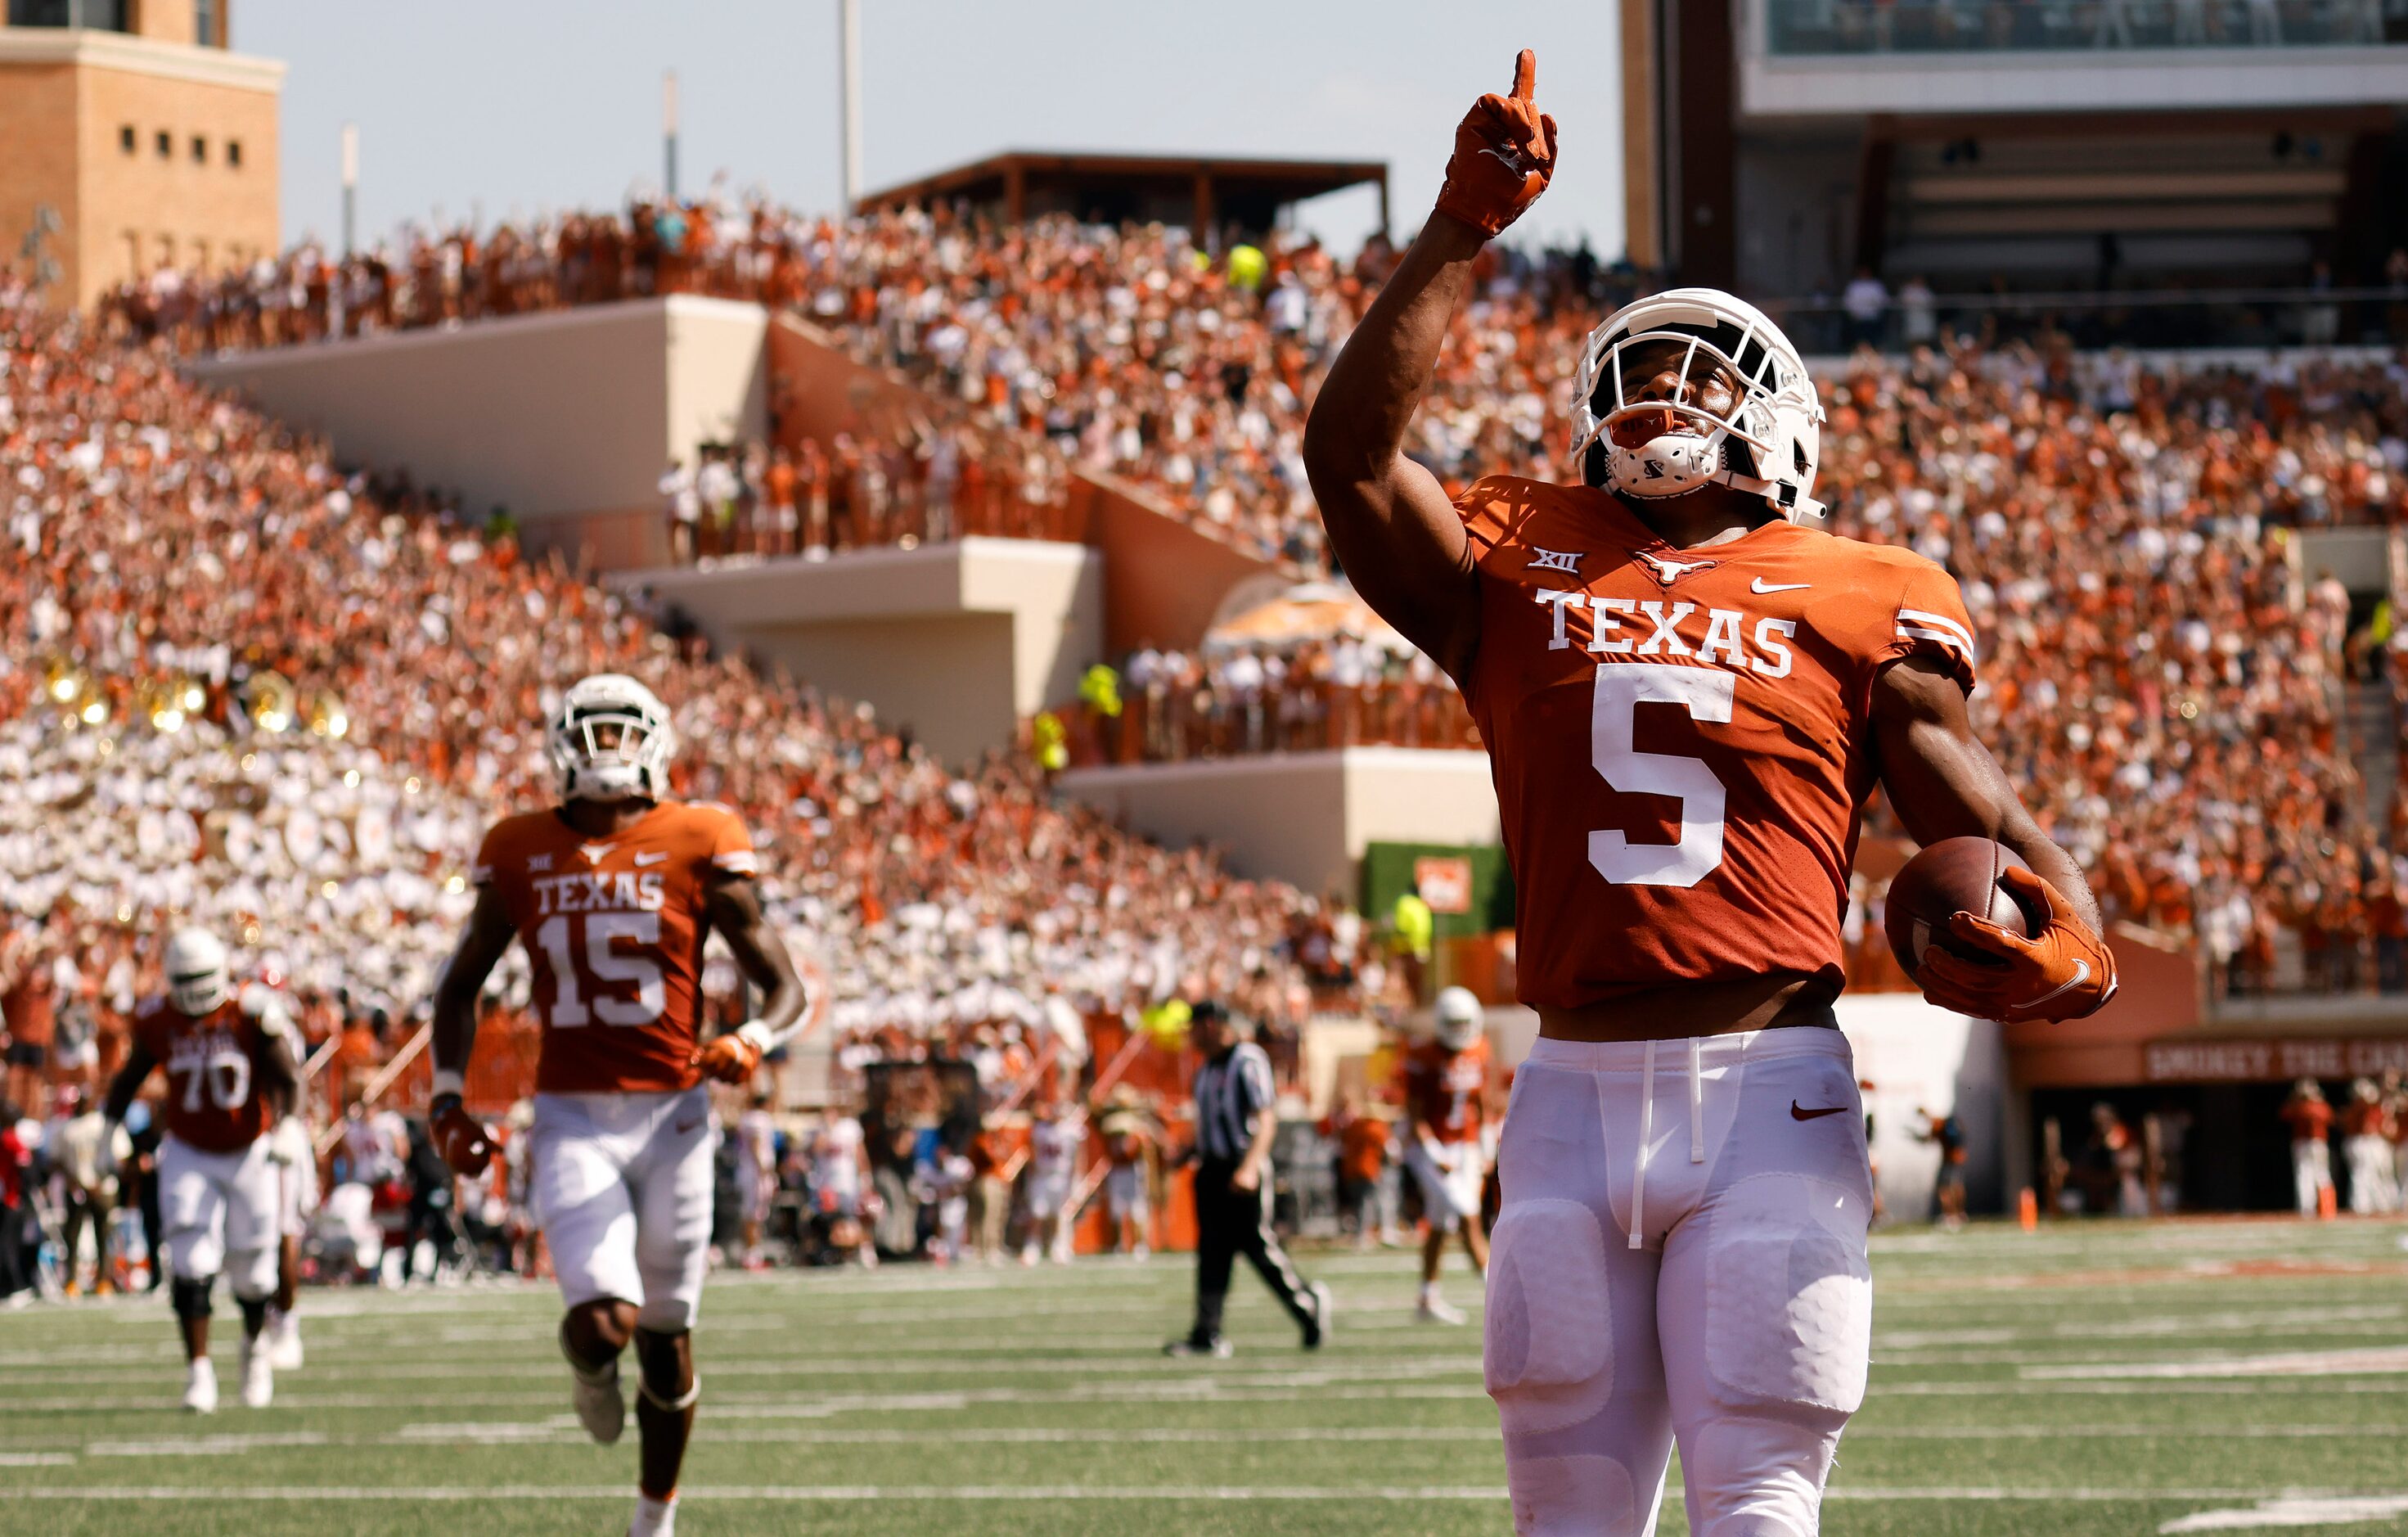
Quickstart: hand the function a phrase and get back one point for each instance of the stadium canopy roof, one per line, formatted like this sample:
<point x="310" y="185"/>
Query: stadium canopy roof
<point x="1201" y="192"/>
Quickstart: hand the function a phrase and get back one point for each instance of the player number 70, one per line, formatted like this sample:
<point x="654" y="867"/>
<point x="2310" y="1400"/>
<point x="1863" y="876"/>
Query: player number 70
<point x="1622" y="687"/>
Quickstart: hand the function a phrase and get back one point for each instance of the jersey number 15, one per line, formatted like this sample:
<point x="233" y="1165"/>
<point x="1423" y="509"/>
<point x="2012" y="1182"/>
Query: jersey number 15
<point x="603" y="964"/>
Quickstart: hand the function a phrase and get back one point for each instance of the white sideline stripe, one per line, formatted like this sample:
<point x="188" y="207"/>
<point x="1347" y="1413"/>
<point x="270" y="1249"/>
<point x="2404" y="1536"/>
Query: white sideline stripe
<point x="2293" y="1513"/>
<point x="36" y="1459"/>
<point x="806" y="1493"/>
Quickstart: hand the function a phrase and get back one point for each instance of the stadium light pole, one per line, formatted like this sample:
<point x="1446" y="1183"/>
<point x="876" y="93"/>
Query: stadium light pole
<point x="848" y="27"/>
<point x="351" y="185"/>
<point x="669" y="133"/>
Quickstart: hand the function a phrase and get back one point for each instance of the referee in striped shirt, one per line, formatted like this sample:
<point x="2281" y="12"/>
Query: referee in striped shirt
<point x="1235" y="1122"/>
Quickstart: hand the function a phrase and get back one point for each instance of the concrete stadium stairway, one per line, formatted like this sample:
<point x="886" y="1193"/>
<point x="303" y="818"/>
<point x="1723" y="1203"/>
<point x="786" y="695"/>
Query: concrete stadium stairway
<point x="2371" y="717"/>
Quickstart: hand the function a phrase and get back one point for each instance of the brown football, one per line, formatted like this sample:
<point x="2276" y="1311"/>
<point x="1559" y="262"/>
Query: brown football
<point x="1952" y="876"/>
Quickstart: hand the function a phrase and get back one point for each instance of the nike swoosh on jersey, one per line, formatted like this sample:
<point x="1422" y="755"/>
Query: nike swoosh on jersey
<point x="653" y="858"/>
<point x="1759" y="586"/>
<point x="1798" y="1114"/>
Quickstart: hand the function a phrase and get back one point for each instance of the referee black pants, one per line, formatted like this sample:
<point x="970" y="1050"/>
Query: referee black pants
<point x="1230" y="1222"/>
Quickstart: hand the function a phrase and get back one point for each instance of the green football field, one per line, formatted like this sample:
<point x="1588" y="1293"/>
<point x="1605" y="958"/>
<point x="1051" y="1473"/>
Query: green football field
<point x="2091" y="1379"/>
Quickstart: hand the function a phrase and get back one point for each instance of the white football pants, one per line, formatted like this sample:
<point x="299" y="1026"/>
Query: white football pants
<point x="1681" y="1254"/>
<point x="1450" y="1180"/>
<point x="220" y="1212"/>
<point x="622" y="1190"/>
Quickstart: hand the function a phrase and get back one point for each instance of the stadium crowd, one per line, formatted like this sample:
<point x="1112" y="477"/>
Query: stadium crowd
<point x="316" y="785"/>
<point x="2121" y="530"/>
<point x="1226" y="699"/>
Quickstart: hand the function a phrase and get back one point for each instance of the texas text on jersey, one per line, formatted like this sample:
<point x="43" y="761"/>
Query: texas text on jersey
<point x="1722" y="696"/>
<point x="1446" y="1088"/>
<point x="215" y="1100"/>
<point x="614" y="931"/>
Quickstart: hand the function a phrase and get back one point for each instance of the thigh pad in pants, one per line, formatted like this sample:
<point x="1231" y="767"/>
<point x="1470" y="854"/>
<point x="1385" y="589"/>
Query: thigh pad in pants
<point x="672" y="1177"/>
<point x="1548" y="1355"/>
<point x="586" y="1211"/>
<point x="1788" y="1295"/>
<point x="193" y="1209"/>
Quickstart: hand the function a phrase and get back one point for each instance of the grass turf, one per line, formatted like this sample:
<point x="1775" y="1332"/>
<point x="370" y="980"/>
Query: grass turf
<point x="2085" y="1379"/>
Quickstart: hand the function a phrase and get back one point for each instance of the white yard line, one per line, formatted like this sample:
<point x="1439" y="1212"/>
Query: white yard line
<point x="226" y="1445"/>
<point x="2291" y="1511"/>
<point x="1140" y="1357"/>
<point x="2297" y="1363"/>
<point x="806" y="1494"/>
<point x="474" y="1433"/>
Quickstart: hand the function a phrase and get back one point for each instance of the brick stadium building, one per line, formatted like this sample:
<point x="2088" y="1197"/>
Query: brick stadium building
<point x="131" y="138"/>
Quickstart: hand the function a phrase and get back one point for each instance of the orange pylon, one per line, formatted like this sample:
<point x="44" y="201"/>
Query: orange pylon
<point x="2027" y="1210"/>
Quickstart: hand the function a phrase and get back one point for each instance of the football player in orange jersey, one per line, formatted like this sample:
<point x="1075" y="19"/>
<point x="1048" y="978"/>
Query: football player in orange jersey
<point x="230" y="1073"/>
<point x="613" y="893"/>
<point x="1687" y="696"/>
<point x="1447" y="1103"/>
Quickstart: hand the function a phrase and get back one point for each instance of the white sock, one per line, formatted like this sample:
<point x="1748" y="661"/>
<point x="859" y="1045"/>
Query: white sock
<point x="1429" y="1292"/>
<point x="655" y="1515"/>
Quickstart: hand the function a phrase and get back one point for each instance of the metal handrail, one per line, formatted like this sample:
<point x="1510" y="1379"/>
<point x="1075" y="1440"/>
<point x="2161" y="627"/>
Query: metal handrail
<point x="377" y="1085"/>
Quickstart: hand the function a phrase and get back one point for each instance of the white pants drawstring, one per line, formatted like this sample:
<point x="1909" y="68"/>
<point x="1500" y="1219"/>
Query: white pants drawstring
<point x="1646" y="1135"/>
<point x="1697" y="1100"/>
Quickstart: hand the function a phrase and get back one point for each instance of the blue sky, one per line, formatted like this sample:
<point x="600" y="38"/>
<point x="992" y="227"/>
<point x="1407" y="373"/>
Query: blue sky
<point x="528" y="105"/>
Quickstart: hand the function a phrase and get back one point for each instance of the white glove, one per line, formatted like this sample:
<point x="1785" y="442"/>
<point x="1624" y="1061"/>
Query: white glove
<point x="263" y="1007"/>
<point x="289" y="1142"/>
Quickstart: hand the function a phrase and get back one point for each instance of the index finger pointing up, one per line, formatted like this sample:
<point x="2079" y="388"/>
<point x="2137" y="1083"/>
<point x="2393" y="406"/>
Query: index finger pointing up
<point x="1525" y="74"/>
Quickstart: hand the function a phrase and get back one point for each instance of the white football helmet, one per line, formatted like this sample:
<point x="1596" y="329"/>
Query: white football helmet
<point x="610" y="739"/>
<point x="1461" y="1020"/>
<point x="1743" y="412"/>
<point x="199" y="978"/>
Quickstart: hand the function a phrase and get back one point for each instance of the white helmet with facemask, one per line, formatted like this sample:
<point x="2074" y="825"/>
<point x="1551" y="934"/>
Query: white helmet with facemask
<point x="610" y="739"/>
<point x="199" y="976"/>
<point x="1461" y="1020"/>
<point x="1694" y="387"/>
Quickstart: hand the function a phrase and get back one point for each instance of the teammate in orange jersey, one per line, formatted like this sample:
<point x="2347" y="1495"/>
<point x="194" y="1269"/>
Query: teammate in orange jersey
<point x="613" y="892"/>
<point x="230" y="1075"/>
<point x="1446" y="1104"/>
<point x="1687" y="696"/>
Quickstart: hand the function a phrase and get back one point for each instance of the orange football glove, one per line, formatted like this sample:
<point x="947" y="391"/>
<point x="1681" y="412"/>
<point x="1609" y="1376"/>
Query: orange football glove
<point x="734" y="1058"/>
<point x="1504" y="153"/>
<point x="2062" y="972"/>
<point x="460" y="1137"/>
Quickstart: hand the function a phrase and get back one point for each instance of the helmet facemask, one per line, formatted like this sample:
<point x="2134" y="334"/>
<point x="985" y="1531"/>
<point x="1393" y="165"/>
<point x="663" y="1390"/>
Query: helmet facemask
<point x="1693" y="388"/>
<point x="612" y="740"/>
<point x="199" y="975"/>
